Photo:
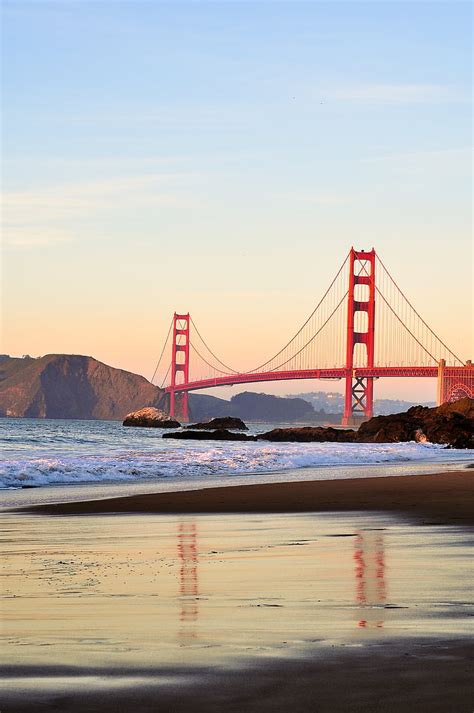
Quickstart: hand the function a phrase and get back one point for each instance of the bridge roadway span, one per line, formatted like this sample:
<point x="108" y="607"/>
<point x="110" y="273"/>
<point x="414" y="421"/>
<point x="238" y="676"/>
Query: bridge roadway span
<point x="375" y="372"/>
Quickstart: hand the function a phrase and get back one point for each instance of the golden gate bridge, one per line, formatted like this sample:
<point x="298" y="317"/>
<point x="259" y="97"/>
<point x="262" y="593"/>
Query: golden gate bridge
<point x="363" y="328"/>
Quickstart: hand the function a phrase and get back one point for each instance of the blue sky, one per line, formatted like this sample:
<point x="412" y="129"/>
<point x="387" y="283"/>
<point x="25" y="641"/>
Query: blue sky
<point x="216" y="157"/>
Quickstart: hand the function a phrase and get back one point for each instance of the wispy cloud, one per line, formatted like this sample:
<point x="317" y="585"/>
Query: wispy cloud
<point x="439" y="154"/>
<point x="49" y="216"/>
<point x="210" y="117"/>
<point x="387" y="93"/>
<point x="447" y="164"/>
<point x="17" y="236"/>
<point x="332" y="199"/>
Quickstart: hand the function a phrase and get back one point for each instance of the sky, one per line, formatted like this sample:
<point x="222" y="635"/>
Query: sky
<point x="221" y="158"/>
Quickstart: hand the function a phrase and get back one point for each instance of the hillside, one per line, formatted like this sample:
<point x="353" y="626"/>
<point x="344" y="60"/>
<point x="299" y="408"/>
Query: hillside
<point x="251" y="407"/>
<point x="74" y="386"/>
<point x="332" y="402"/>
<point x="71" y="386"/>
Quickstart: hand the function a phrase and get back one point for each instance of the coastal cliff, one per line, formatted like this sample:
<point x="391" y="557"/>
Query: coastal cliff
<point x="75" y="386"/>
<point x="72" y="386"/>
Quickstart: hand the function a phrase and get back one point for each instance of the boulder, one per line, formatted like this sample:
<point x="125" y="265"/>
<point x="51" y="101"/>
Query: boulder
<point x="221" y="434"/>
<point x="465" y="406"/>
<point x="309" y="434"/>
<point x="150" y="417"/>
<point x="394" y="428"/>
<point x="225" y="422"/>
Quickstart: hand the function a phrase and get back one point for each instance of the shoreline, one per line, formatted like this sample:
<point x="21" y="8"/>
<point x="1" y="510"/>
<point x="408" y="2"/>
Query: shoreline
<point x="446" y="496"/>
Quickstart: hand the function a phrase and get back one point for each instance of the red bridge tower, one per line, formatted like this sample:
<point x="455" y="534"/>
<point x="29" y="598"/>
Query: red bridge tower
<point x="179" y="365"/>
<point x="359" y="396"/>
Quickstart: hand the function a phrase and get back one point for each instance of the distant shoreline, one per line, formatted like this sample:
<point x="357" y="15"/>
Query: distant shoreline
<point x="447" y="497"/>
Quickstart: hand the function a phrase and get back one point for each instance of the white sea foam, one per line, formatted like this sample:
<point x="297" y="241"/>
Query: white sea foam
<point x="163" y="459"/>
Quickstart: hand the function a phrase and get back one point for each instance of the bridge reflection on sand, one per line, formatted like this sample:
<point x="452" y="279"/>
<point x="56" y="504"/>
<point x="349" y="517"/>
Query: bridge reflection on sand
<point x="205" y="590"/>
<point x="371" y="592"/>
<point x="188" y="579"/>
<point x="369" y="572"/>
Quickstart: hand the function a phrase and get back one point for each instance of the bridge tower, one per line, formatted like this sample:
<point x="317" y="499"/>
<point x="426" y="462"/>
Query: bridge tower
<point x="179" y="365"/>
<point x="359" y="394"/>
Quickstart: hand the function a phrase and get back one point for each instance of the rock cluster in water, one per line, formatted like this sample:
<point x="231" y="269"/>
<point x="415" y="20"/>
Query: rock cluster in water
<point x="225" y="422"/>
<point x="150" y="417"/>
<point x="220" y="434"/>
<point x="309" y="434"/>
<point x="451" y="425"/>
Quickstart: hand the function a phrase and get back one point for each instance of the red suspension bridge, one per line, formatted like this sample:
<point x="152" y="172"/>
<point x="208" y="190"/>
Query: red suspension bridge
<point x="363" y="328"/>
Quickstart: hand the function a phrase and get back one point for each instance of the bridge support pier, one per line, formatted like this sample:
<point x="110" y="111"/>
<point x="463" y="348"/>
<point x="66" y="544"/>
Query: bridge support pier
<point x="179" y="365"/>
<point x="359" y="393"/>
<point x="455" y="382"/>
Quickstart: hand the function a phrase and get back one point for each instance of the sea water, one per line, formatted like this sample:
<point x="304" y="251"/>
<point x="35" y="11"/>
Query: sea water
<point x="43" y="452"/>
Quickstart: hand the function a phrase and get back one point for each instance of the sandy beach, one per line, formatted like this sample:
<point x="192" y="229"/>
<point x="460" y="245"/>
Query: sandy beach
<point x="314" y="596"/>
<point x="448" y="497"/>
<point x="396" y="677"/>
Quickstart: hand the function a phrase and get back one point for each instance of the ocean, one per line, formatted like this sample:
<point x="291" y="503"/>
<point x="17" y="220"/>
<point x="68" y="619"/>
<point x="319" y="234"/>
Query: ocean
<point x="39" y="453"/>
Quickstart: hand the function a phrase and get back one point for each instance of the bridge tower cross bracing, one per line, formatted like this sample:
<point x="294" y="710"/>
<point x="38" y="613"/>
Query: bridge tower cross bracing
<point x="359" y="392"/>
<point x="179" y="364"/>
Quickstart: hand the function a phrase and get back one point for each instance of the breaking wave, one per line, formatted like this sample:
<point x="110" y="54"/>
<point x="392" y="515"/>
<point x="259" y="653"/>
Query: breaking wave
<point x="163" y="459"/>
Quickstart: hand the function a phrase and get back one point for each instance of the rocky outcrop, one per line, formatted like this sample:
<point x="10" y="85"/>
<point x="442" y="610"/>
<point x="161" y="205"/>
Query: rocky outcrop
<point x="464" y="406"/>
<point x="450" y="424"/>
<point x="309" y="434"/>
<point x="150" y="417"/>
<point x="221" y="434"/>
<point x="72" y="386"/>
<point x="225" y="422"/>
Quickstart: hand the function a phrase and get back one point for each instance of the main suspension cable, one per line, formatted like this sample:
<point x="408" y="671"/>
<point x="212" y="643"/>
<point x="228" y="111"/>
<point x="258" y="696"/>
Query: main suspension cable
<point x="230" y="370"/>
<point x="208" y="363"/>
<point x="304" y="325"/>
<point x="418" y="315"/>
<point x="166" y="376"/>
<point x="313" y="337"/>
<point x="162" y="352"/>
<point x="404" y="325"/>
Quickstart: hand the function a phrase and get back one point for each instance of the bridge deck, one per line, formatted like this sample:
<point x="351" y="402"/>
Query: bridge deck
<point x="336" y="373"/>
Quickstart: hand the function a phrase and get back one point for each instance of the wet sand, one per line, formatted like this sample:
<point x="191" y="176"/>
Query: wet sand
<point x="325" y="612"/>
<point x="324" y="596"/>
<point x="446" y="497"/>
<point x="394" y="678"/>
